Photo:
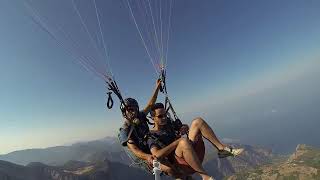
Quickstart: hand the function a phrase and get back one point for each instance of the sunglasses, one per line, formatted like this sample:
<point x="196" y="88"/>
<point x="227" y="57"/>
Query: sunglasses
<point x="161" y="116"/>
<point x="132" y="109"/>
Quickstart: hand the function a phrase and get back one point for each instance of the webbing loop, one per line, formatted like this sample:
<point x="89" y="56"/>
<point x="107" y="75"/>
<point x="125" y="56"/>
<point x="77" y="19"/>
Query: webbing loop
<point x="110" y="100"/>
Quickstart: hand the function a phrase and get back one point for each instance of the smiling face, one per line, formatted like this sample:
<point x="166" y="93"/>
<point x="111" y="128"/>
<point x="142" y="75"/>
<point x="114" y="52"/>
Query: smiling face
<point x="131" y="112"/>
<point x="160" y="117"/>
<point x="131" y="108"/>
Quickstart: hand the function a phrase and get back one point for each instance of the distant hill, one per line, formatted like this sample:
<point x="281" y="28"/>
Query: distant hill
<point x="303" y="164"/>
<point x="85" y="151"/>
<point x="72" y="170"/>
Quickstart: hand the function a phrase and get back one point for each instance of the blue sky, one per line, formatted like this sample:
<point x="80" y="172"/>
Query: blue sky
<point x="221" y="53"/>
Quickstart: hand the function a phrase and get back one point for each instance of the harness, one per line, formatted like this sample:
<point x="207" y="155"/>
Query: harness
<point x="142" y="141"/>
<point x="139" y="128"/>
<point x="156" y="137"/>
<point x="133" y="131"/>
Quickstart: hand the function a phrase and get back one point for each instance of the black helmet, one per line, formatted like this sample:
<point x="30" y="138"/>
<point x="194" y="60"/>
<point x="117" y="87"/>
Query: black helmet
<point x="130" y="102"/>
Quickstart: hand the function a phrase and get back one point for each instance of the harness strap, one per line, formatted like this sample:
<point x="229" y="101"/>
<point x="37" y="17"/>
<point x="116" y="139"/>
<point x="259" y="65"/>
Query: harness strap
<point x="157" y="140"/>
<point x="168" y="106"/>
<point x="130" y="132"/>
<point x="141" y="140"/>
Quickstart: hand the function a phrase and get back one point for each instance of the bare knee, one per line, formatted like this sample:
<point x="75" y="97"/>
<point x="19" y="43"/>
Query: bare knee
<point x="184" y="142"/>
<point x="197" y="122"/>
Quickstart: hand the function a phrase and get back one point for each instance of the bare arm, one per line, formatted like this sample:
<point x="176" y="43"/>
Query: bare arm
<point x="140" y="154"/>
<point x="153" y="98"/>
<point x="159" y="153"/>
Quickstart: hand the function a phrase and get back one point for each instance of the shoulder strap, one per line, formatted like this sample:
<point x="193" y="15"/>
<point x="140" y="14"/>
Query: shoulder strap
<point x="155" y="138"/>
<point x="130" y="132"/>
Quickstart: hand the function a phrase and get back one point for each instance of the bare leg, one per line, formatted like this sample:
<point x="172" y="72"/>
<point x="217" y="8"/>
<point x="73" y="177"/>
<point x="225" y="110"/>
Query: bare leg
<point x="198" y="126"/>
<point x="186" y="151"/>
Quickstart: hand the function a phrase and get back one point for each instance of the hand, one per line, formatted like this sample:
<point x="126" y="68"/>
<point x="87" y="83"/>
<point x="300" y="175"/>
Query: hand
<point x="184" y="129"/>
<point x="159" y="81"/>
<point x="159" y="85"/>
<point x="150" y="159"/>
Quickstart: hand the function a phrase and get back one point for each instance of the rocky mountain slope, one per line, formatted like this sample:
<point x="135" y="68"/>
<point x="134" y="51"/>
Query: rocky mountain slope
<point x="303" y="164"/>
<point x="250" y="158"/>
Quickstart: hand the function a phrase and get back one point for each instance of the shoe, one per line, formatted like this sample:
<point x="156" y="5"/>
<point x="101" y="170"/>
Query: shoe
<point x="229" y="151"/>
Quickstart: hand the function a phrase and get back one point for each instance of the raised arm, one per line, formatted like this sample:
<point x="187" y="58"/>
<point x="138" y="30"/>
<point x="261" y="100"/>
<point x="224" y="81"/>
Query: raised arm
<point x="153" y="98"/>
<point x="160" y="153"/>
